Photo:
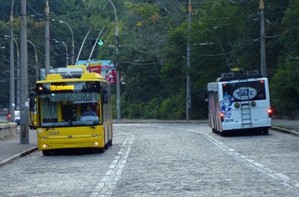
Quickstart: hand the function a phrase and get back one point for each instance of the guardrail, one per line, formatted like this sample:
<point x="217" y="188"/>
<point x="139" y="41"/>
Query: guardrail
<point x="8" y="130"/>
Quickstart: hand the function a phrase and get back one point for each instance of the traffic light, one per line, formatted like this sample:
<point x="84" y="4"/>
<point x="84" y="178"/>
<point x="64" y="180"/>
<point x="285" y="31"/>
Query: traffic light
<point x="101" y="42"/>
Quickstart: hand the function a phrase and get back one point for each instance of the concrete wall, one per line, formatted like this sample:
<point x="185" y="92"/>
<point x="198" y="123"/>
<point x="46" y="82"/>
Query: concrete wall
<point x="8" y="130"/>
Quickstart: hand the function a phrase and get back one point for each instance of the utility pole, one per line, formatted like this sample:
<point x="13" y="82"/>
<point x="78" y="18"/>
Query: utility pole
<point x="24" y="134"/>
<point x="118" y="101"/>
<point x="188" y="78"/>
<point x="47" y="39"/>
<point x="12" y="104"/>
<point x="262" y="37"/>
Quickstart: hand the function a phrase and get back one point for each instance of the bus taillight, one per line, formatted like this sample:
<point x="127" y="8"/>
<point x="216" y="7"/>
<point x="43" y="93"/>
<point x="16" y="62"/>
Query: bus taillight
<point x="221" y="116"/>
<point x="270" y="112"/>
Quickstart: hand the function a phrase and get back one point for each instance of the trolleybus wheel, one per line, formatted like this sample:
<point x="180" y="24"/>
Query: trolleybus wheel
<point x="106" y="146"/>
<point x="265" y="131"/>
<point x="110" y="142"/>
<point x="101" y="150"/>
<point x="46" y="152"/>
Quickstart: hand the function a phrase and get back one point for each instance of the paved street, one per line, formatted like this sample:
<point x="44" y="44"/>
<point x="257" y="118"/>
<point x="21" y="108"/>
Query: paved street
<point x="177" y="159"/>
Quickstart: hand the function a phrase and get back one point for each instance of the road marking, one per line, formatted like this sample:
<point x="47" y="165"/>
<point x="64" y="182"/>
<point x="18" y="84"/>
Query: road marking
<point x="109" y="181"/>
<point x="279" y="177"/>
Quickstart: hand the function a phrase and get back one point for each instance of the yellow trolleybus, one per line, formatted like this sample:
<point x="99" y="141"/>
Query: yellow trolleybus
<point x="73" y="109"/>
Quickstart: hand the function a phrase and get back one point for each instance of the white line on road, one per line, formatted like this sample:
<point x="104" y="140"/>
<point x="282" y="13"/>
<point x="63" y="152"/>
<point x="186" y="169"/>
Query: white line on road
<point x="107" y="184"/>
<point x="277" y="176"/>
<point x="281" y="178"/>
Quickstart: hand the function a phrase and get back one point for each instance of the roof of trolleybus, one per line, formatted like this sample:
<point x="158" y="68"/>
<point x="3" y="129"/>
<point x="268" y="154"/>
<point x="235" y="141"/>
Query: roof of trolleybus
<point x="72" y="74"/>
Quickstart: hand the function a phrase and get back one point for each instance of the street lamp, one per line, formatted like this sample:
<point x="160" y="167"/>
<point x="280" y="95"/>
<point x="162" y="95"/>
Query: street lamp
<point x="118" y="101"/>
<point x="262" y="36"/>
<point x="36" y="59"/>
<point x="188" y="77"/>
<point x="14" y="104"/>
<point x="73" y="42"/>
<point x="11" y="66"/>
<point x="66" y="50"/>
<point x="47" y="39"/>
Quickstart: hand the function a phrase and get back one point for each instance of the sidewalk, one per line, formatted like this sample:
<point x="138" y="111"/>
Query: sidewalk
<point x="11" y="149"/>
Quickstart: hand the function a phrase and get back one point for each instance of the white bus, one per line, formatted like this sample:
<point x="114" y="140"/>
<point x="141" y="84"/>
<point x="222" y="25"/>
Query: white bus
<point x="238" y="102"/>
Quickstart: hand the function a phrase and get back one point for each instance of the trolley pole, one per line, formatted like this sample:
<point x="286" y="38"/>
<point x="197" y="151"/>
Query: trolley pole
<point x="24" y="132"/>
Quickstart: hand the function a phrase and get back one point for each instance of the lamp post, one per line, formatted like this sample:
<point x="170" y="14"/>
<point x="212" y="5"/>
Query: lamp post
<point x="66" y="50"/>
<point x="36" y="59"/>
<point x="47" y="39"/>
<point x="262" y="37"/>
<point x="188" y="78"/>
<point x="16" y="91"/>
<point x="73" y="42"/>
<point x="118" y="101"/>
<point x="12" y="104"/>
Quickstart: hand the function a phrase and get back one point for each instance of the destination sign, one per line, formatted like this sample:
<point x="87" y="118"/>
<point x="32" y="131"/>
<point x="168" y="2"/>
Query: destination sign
<point x="61" y="87"/>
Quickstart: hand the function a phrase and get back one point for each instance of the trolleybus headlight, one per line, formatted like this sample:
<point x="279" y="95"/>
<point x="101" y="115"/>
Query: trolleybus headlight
<point x="45" y="145"/>
<point x="237" y="105"/>
<point x="96" y="143"/>
<point x="253" y="103"/>
<point x="270" y="112"/>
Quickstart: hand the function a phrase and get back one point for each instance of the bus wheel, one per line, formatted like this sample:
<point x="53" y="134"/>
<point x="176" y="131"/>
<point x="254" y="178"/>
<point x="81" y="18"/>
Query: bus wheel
<point x="46" y="152"/>
<point x="101" y="150"/>
<point x="110" y="142"/>
<point x="107" y="145"/>
<point x="265" y="131"/>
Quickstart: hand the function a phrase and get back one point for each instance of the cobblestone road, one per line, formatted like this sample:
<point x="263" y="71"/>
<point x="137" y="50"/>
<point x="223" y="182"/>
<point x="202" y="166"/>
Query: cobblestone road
<point x="164" y="160"/>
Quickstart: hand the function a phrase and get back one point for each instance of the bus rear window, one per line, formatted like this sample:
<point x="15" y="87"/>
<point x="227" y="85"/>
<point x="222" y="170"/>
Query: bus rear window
<point x="242" y="91"/>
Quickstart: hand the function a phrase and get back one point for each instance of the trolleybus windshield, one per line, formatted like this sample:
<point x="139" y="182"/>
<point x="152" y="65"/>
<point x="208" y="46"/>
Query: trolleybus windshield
<point x="64" y="104"/>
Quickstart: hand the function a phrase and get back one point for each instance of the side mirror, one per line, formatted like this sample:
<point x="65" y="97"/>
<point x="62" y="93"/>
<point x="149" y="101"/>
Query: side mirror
<point x="105" y="98"/>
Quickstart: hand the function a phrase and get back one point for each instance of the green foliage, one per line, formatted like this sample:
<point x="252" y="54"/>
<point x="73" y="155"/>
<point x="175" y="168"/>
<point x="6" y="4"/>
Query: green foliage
<point x="284" y="84"/>
<point x="285" y="89"/>
<point x="153" y="38"/>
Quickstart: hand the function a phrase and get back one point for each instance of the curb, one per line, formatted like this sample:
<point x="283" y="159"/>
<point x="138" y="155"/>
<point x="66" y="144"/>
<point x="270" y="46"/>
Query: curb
<point x="283" y="130"/>
<point x="17" y="156"/>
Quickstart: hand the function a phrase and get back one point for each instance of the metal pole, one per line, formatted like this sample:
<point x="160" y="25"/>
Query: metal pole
<point x="188" y="78"/>
<point x="66" y="53"/>
<point x="18" y="78"/>
<point x="263" y="44"/>
<point x="118" y="100"/>
<point x="24" y="134"/>
<point x="47" y="39"/>
<point x="36" y="59"/>
<point x="73" y="42"/>
<point x="12" y="104"/>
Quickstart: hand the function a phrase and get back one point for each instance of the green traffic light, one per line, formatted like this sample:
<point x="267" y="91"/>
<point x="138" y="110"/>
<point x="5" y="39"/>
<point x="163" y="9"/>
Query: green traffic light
<point x="101" y="42"/>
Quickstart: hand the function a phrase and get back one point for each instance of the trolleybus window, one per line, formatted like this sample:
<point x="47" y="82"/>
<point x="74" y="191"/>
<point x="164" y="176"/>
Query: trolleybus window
<point x="251" y="90"/>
